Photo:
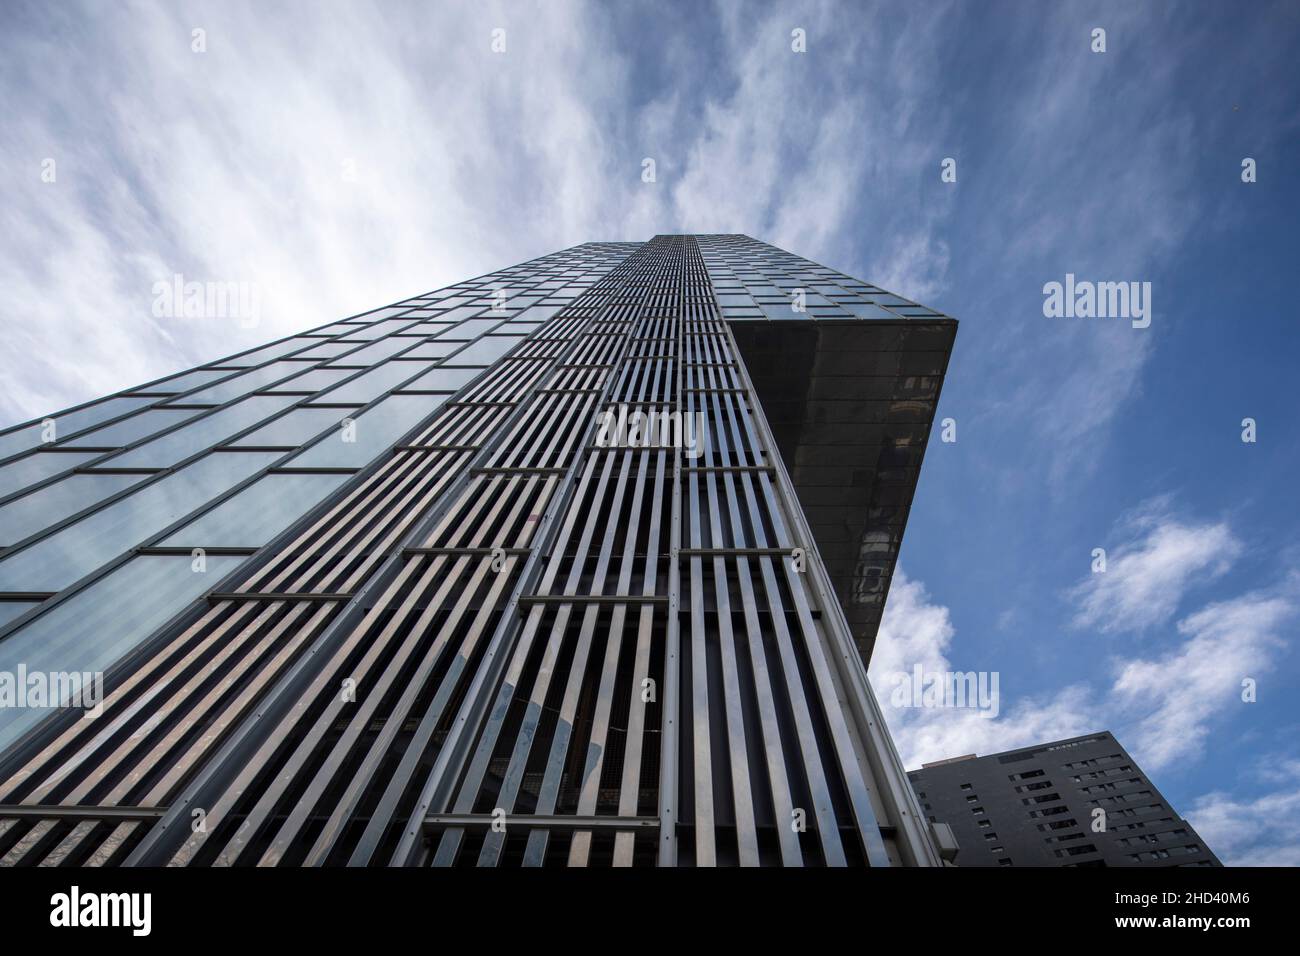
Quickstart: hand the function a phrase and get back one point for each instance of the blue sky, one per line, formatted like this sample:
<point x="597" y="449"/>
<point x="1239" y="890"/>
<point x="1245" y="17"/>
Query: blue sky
<point x="346" y="160"/>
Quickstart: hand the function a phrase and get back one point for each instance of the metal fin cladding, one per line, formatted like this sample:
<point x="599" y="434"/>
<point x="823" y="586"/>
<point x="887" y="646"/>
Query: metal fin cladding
<point x="509" y="642"/>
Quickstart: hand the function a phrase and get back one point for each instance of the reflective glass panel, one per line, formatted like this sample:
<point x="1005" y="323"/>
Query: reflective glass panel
<point x="93" y="629"/>
<point x="295" y="427"/>
<point x="370" y="385"/>
<point x="167" y="450"/>
<point x="66" y="425"/>
<point x="49" y="505"/>
<point x="53" y="563"/>
<point x="17" y="475"/>
<point x="257" y="514"/>
<point x="140" y="425"/>
<point x="373" y="431"/>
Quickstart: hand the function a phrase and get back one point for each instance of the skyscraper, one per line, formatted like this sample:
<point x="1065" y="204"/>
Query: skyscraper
<point x="576" y="563"/>
<point x="1077" y="802"/>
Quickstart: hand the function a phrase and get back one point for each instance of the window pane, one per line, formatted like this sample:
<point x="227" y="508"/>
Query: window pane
<point x="140" y="425"/>
<point x="431" y="350"/>
<point x="203" y="433"/>
<point x="244" y="384"/>
<point x="258" y="356"/>
<point x="377" y="352"/>
<point x="486" y="350"/>
<point x="475" y="327"/>
<point x="258" y="513"/>
<point x="326" y="350"/>
<point x="93" y="629"/>
<point x="445" y="379"/>
<point x="31" y="513"/>
<point x="57" y="561"/>
<point x="182" y="383"/>
<point x="374" y="431"/>
<point x="364" y="333"/>
<point x="314" y="380"/>
<point x="66" y="425"/>
<point x="27" y="471"/>
<point x="12" y="610"/>
<point x="295" y="427"/>
<point x="372" y="384"/>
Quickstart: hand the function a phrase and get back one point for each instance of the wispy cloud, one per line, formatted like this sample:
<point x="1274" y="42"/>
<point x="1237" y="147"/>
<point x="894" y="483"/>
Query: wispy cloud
<point x="1157" y="560"/>
<point x="1261" y="830"/>
<point x="340" y="162"/>
<point x="1178" y="693"/>
<point x="1162" y="706"/>
<point x="917" y="631"/>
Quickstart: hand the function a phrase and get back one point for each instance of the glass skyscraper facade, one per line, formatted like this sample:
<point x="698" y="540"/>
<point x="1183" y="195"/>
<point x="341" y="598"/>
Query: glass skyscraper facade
<point x="576" y="563"/>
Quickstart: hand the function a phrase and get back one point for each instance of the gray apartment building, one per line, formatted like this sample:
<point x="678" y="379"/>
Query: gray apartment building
<point x="1077" y="802"/>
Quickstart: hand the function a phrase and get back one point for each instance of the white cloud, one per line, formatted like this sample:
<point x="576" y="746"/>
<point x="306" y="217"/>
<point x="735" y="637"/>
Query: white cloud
<point x="1162" y="707"/>
<point x="1148" y="574"/>
<point x="914" y="631"/>
<point x="1178" y="693"/>
<point x="1251" y="831"/>
<point x="229" y="165"/>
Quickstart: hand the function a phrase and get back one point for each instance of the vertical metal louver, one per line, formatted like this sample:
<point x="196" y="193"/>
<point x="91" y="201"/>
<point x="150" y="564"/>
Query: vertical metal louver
<point x="509" y="641"/>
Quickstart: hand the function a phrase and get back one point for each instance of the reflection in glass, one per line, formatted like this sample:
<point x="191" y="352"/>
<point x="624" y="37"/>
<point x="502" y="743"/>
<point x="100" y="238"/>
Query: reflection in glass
<point x="254" y="516"/>
<point x="53" y="563"/>
<point x="93" y="629"/>
<point x="167" y="450"/>
<point x="373" y="431"/>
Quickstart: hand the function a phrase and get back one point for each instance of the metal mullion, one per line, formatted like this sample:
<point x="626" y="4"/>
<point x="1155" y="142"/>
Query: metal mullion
<point x="397" y="784"/>
<point x="450" y="841"/>
<point x="70" y="843"/>
<point x="333" y="826"/>
<point x="477" y="696"/>
<point x="234" y="789"/>
<point x="765" y="683"/>
<point x="529" y="433"/>
<point x="525" y="737"/>
<point x="570" y="438"/>
<point x="378" y="822"/>
<point x="29" y="841"/>
<point x="412" y="486"/>
<point x="50" y="753"/>
<point x="850" y="768"/>
<point x="258" y="816"/>
<point x="164" y="683"/>
<point x="525" y="634"/>
<point x="535" y="852"/>
<point x="479" y="503"/>
<point x="235" y="708"/>
<point x="635" y="735"/>
<point x="669" y="797"/>
<point x="413" y="512"/>
<point x="742" y="793"/>
<point x="773" y="747"/>
<point x="396" y="470"/>
<point x="362" y="716"/>
<point x="580" y="846"/>
<point x="769" y="732"/>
